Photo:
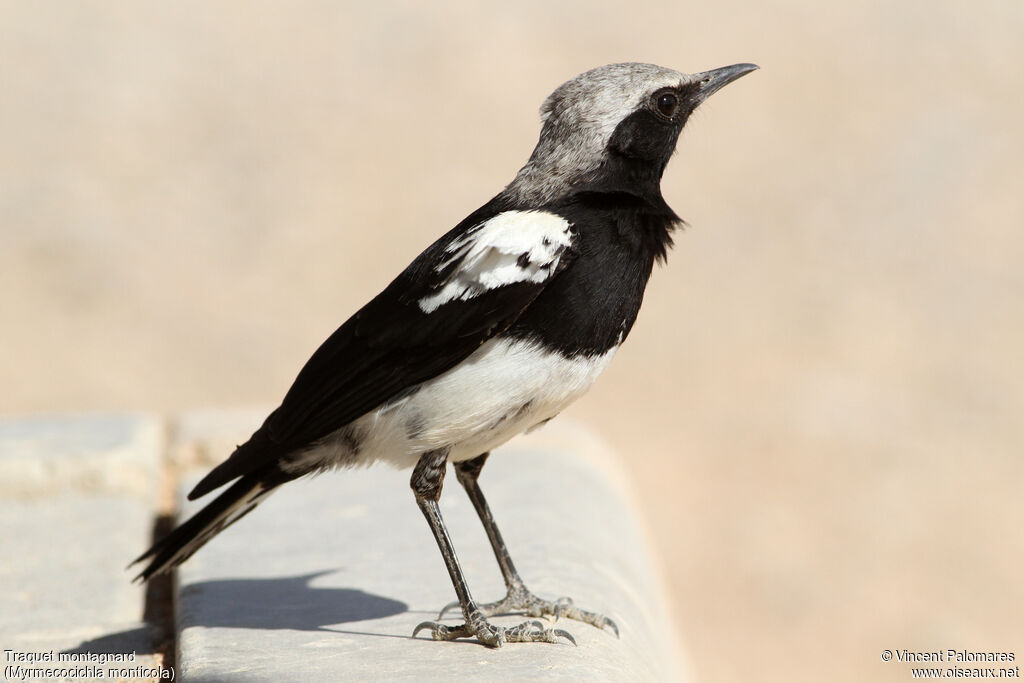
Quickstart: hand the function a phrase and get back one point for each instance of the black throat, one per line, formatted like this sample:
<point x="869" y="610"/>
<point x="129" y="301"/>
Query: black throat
<point x="628" y="182"/>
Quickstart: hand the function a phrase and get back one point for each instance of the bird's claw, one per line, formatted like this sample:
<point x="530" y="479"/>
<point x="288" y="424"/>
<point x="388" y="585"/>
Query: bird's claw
<point x="519" y="599"/>
<point x="495" y="636"/>
<point x="568" y="611"/>
<point x="442" y="631"/>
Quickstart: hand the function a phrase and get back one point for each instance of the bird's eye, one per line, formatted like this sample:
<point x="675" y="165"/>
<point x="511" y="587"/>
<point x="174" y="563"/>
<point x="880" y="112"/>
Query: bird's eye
<point x="666" y="103"/>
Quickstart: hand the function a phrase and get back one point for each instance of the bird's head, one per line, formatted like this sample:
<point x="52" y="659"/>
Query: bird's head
<point x="612" y="124"/>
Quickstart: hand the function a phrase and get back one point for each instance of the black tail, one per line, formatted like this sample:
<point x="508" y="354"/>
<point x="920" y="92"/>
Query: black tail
<point x="226" y="509"/>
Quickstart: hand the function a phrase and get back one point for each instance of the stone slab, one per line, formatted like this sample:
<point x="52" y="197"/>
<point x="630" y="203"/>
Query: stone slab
<point x="75" y="509"/>
<point x="99" y="453"/>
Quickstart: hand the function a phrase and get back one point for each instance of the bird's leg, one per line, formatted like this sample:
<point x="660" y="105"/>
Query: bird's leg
<point x="518" y="598"/>
<point x="427" y="479"/>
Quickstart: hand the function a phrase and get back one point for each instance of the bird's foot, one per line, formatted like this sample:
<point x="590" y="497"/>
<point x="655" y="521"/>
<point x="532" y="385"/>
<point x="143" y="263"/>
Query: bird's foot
<point x="490" y="635"/>
<point x="520" y="599"/>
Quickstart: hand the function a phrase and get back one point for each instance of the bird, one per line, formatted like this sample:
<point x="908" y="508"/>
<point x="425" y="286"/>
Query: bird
<point x="490" y="332"/>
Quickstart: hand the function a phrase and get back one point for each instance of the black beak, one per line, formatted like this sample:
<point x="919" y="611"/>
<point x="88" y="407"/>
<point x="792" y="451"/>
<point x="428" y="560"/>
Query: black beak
<point x="716" y="79"/>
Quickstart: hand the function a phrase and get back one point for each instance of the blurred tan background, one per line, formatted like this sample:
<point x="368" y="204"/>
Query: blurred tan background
<point x="822" y="400"/>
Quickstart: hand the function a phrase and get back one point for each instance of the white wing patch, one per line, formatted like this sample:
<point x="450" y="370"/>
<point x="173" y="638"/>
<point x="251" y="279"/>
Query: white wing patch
<point x="514" y="246"/>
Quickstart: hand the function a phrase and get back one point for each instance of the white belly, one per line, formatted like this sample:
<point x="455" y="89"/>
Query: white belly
<point x="503" y="389"/>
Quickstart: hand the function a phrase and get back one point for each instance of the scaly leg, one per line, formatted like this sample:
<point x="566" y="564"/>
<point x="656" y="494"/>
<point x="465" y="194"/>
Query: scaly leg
<point x="427" y="479"/>
<point x="519" y="598"/>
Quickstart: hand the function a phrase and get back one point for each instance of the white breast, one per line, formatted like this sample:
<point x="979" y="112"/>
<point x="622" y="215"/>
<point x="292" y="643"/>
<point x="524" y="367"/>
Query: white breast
<point x="503" y="389"/>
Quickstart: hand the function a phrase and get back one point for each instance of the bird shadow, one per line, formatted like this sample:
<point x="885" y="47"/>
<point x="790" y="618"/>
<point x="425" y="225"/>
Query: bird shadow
<point x="286" y="603"/>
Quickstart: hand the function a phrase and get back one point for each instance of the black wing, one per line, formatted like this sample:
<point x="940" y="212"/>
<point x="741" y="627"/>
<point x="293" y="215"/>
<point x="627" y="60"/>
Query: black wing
<point x="467" y="287"/>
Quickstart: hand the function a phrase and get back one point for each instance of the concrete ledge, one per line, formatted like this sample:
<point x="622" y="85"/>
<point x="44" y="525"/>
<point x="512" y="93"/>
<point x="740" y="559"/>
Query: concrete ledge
<point x="329" y="577"/>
